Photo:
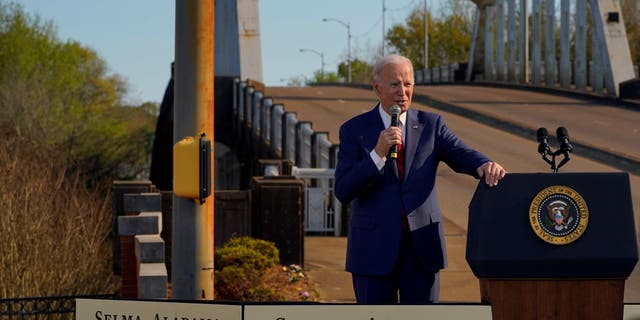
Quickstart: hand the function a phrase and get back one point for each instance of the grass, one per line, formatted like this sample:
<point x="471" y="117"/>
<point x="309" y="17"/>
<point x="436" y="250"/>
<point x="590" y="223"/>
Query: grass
<point x="54" y="232"/>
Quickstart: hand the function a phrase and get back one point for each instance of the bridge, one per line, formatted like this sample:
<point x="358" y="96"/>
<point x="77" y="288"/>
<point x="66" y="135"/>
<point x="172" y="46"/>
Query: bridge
<point x="500" y="121"/>
<point x="494" y="104"/>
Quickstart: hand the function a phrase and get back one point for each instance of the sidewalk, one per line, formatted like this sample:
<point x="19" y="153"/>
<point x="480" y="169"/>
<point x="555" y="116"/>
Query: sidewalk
<point x="324" y="263"/>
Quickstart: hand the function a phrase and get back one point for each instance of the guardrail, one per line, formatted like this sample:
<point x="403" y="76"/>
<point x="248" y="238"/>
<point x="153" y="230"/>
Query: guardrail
<point x="444" y="74"/>
<point x="290" y="138"/>
<point x="456" y="72"/>
<point x="287" y="136"/>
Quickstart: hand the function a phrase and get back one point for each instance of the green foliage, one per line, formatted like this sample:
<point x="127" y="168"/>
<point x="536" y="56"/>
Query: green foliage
<point x="449" y="35"/>
<point x="361" y="71"/>
<point x="60" y="95"/>
<point x="265" y="294"/>
<point x="240" y="266"/>
<point x="247" y="251"/>
<point x="235" y="282"/>
<point x="319" y="77"/>
<point x="408" y="40"/>
<point x="630" y="14"/>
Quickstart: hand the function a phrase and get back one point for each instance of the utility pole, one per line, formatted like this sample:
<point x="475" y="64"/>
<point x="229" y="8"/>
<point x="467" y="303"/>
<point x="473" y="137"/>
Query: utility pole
<point x="192" y="222"/>
<point x="384" y="9"/>
<point x="426" y="36"/>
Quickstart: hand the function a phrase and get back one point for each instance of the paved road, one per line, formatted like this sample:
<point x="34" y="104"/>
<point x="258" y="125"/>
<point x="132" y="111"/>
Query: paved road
<point x="601" y="126"/>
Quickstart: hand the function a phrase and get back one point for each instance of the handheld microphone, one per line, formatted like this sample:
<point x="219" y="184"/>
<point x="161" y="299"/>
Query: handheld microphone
<point x="543" y="136"/>
<point x="563" y="139"/>
<point x="395" y="112"/>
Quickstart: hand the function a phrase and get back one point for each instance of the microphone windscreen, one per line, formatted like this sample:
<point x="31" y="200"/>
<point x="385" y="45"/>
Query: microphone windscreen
<point x="562" y="132"/>
<point x="395" y="109"/>
<point x="542" y="133"/>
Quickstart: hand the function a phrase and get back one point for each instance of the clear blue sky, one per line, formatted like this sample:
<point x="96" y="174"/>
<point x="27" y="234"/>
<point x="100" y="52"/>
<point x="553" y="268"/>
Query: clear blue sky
<point x="136" y="37"/>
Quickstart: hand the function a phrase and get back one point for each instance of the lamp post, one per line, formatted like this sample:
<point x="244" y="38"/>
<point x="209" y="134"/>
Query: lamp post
<point x="348" y="26"/>
<point x="321" y="60"/>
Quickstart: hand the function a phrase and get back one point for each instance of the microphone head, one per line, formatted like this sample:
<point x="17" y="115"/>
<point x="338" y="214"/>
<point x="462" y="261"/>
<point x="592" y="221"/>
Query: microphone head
<point x="395" y="110"/>
<point x="563" y="138"/>
<point x="542" y="134"/>
<point x="562" y="132"/>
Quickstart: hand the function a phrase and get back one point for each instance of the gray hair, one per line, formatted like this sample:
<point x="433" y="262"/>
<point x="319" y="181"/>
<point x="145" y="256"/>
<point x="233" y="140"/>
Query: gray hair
<point x="387" y="60"/>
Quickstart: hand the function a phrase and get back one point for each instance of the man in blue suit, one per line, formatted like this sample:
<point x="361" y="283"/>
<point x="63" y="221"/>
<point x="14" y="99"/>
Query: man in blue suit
<point x="396" y="241"/>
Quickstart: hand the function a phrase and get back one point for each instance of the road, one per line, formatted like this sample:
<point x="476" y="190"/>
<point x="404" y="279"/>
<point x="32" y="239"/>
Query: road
<point x="601" y="126"/>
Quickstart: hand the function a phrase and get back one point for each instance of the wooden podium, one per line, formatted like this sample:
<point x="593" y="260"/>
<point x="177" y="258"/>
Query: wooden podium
<point x="553" y="246"/>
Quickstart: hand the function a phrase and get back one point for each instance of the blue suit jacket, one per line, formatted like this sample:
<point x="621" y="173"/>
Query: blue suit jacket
<point x="378" y="197"/>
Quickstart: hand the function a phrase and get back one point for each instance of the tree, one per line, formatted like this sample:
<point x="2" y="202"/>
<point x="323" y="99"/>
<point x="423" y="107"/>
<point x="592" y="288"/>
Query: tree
<point x="630" y="11"/>
<point x="449" y="35"/>
<point x="361" y="71"/>
<point x="326" y="77"/>
<point x="60" y="96"/>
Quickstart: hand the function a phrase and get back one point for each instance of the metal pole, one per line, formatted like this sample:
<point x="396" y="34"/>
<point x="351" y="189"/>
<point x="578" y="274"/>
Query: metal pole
<point x="565" y="59"/>
<point x="321" y="59"/>
<point x="349" y="51"/>
<point x="580" y="75"/>
<point x="384" y="9"/>
<point x="426" y="37"/>
<point x="192" y="254"/>
<point x="348" y="26"/>
<point x="499" y="62"/>
<point x="524" y="42"/>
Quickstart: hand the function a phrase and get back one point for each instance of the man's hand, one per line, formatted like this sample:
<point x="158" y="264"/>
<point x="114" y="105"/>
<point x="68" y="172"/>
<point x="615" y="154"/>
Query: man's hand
<point x="387" y="138"/>
<point x="492" y="173"/>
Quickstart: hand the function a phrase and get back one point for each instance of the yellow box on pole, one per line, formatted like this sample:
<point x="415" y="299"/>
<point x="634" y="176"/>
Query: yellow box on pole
<point x="191" y="168"/>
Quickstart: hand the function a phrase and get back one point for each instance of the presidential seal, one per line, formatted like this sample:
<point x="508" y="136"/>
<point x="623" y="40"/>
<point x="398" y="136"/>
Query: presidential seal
<point x="558" y="215"/>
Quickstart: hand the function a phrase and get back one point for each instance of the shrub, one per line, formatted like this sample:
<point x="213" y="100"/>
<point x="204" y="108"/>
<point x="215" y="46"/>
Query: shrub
<point x="234" y="282"/>
<point x="240" y="265"/>
<point x="246" y="251"/>
<point x="265" y="294"/>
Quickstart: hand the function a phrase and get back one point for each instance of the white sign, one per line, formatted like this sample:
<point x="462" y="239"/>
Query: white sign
<point x="98" y="309"/>
<point x="366" y="312"/>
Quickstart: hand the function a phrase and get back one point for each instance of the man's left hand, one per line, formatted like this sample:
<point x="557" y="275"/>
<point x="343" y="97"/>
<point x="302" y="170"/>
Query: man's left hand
<point x="492" y="173"/>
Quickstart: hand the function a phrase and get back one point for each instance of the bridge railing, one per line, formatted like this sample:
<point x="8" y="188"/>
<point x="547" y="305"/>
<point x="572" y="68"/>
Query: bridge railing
<point x="579" y="45"/>
<point x="287" y="137"/>
<point x="443" y="74"/>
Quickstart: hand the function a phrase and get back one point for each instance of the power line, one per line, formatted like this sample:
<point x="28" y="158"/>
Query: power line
<point x="370" y="28"/>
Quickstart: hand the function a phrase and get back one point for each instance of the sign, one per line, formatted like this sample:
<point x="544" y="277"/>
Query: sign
<point x="98" y="309"/>
<point x="367" y="312"/>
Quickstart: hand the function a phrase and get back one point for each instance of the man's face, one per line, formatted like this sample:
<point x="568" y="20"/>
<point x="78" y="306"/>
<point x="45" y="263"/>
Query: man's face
<point x="395" y="86"/>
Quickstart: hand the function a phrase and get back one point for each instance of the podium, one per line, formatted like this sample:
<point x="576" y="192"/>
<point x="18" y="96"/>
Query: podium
<point x="553" y="246"/>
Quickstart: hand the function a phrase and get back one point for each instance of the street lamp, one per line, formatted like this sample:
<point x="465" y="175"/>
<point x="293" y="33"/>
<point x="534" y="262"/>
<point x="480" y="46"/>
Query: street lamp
<point x="348" y="26"/>
<point x="321" y="60"/>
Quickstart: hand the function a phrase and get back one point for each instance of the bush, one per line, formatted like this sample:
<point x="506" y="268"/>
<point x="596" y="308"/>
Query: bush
<point x="249" y="269"/>
<point x="240" y="266"/>
<point x="247" y="252"/>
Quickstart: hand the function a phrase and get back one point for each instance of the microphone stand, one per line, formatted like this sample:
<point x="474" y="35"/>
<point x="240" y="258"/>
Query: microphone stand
<point x="564" y="150"/>
<point x="552" y="161"/>
<point x="565" y="159"/>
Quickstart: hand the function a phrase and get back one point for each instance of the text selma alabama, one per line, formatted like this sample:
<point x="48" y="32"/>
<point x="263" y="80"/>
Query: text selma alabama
<point x="110" y="316"/>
